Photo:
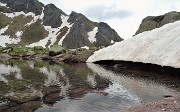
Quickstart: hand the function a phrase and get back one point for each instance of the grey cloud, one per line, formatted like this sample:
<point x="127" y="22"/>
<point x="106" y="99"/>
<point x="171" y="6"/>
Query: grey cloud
<point x="102" y="13"/>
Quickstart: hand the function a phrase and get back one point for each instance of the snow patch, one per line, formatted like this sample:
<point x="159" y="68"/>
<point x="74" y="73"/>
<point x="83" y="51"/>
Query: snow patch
<point x="2" y="4"/>
<point x="53" y="33"/>
<point x="65" y="23"/>
<point x="92" y="35"/>
<point x="112" y="41"/>
<point x="19" y="33"/>
<point x="5" y="39"/>
<point x="160" y="46"/>
<point x="35" y="18"/>
<point x="52" y="36"/>
<point x="15" y="14"/>
<point x="3" y="30"/>
<point x="85" y="47"/>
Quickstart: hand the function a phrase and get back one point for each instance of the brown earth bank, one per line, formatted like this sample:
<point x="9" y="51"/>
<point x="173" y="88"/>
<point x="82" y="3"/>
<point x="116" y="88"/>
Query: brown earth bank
<point x="170" y="104"/>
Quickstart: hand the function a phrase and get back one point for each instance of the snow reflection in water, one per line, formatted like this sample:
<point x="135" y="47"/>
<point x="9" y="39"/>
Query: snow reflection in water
<point x="77" y="87"/>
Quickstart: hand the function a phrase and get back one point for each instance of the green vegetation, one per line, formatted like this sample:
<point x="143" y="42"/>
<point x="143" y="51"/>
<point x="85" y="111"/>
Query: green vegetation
<point x="54" y="53"/>
<point x="34" y="33"/>
<point x="18" y="24"/>
<point x="24" y="51"/>
<point x="4" y="20"/>
<point x="56" y="50"/>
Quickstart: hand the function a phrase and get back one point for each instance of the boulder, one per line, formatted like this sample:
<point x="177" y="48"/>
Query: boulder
<point x="56" y="50"/>
<point x="38" y="48"/>
<point x="30" y="53"/>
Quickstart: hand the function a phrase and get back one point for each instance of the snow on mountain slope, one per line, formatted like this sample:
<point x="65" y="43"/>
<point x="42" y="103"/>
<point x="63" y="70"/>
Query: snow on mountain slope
<point x="35" y="18"/>
<point x="67" y="24"/>
<point x="53" y="33"/>
<point x="32" y="23"/>
<point x="2" y="4"/>
<point x="5" y="39"/>
<point x="52" y="36"/>
<point x="92" y="35"/>
<point x="160" y="46"/>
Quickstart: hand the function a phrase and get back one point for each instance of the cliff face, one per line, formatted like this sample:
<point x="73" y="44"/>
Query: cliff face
<point x="31" y="23"/>
<point x="152" y="22"/>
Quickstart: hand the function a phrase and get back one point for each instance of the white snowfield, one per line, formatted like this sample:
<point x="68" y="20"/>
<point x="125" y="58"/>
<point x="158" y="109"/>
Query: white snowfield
<point x="160" y="46"/>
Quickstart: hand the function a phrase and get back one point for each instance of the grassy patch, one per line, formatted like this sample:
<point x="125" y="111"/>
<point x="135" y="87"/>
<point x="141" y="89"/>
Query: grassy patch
<point x="4" y="20"/>
<point x="18" y="24"/>
<point x="34" y="33"/>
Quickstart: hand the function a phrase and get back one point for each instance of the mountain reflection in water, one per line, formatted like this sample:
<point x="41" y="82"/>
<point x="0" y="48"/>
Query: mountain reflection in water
<point x="29" y="86"/>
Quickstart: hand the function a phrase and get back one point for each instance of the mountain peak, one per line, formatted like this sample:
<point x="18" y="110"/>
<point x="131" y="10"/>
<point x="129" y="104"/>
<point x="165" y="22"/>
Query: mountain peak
<point x="31" y="23"/>
<point x="24" y="5"/>
<point x="52" y="16"/>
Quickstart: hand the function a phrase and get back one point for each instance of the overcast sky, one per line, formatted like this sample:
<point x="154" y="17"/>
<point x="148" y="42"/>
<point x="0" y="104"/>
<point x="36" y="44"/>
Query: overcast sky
<point x="124" y="16"/>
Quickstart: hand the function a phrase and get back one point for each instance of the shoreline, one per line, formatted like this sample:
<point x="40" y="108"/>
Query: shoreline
<point x="170" y="104"/>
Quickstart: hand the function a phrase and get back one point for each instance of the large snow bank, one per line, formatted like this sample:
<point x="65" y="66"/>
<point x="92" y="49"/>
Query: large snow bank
<point x="160" y="46"/>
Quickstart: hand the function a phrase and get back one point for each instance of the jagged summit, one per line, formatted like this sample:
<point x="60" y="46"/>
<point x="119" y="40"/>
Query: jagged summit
<point x="52" y="16"/>
<point x="24" y="5"/>
<point x="31" y="23"/>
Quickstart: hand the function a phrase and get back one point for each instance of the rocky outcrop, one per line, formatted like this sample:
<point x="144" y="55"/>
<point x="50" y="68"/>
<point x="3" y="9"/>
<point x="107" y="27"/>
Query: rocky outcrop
<point x="106" y="35"/>
<point x="52" y="16"/>
<point x="56" y="50"/>
<point x="152" y="22"/>
<point x="24" y="5"/>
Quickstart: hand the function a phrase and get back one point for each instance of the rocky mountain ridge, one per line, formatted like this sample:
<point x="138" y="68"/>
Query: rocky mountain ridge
<point x="31" y="23"/>
<point x="152" y="22"/>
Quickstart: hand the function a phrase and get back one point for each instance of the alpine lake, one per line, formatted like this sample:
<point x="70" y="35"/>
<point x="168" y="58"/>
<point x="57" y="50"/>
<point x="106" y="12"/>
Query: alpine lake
<point x="44" y="86"/>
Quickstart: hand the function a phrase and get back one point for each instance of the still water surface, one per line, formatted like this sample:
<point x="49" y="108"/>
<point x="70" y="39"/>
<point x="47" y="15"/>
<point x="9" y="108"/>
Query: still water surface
<point x="29" y="86"/>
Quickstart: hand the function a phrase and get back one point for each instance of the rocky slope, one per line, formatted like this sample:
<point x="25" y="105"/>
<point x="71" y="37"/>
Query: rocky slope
<point x="152" y="22"/>
<point x="31" y="23"/>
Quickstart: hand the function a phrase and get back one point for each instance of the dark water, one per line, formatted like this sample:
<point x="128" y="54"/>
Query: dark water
<point x="27" y="86"/>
